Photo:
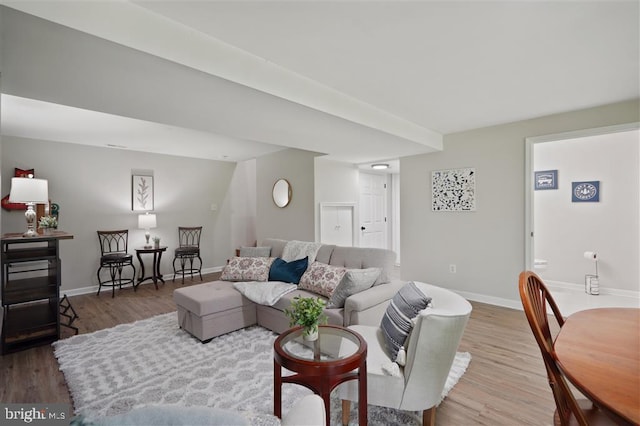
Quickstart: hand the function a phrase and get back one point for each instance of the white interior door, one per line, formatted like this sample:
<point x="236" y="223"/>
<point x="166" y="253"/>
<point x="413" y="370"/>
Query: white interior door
<point x="337" y="224"/>
<point x="373" y="208"/>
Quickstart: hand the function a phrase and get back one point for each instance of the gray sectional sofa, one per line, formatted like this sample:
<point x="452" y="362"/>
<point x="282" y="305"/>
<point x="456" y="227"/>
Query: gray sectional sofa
<point x="211" y="309"/>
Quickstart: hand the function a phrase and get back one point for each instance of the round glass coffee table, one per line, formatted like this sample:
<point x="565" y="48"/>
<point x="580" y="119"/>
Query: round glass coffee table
<point x="338" y="355"/>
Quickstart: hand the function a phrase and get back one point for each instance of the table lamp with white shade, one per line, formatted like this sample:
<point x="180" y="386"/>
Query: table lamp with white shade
<point x="29" y="191"/>
<point x="147" y="221"/>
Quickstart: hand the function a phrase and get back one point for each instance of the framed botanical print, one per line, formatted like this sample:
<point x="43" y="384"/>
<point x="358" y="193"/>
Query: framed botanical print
<point x="141" y="193"/>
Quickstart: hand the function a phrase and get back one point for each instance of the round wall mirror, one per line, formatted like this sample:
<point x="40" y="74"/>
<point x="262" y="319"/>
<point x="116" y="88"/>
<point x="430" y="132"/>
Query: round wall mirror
<point x="282" y="193"/>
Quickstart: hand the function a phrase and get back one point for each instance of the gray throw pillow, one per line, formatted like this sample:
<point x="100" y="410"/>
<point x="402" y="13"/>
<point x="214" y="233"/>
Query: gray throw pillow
<point x="396" y="322"/>
<point x="255" y="251"/>
<point x="354" y="281"/>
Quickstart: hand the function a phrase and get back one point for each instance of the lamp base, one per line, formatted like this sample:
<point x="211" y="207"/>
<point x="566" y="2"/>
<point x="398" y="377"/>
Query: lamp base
<point x="30" y="215"/>
<point x="30" y="233"/>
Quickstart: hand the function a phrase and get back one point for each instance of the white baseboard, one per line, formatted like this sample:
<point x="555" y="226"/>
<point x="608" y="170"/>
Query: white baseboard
<point x="491" y="300"/>
<point x="571" y="288"/>
<point x="560" y="285"/>
<point x="94" y="288"/>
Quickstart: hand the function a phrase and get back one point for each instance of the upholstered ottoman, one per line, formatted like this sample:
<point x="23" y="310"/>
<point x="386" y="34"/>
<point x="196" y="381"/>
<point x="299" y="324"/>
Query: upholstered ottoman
<point x="211" y="309"/>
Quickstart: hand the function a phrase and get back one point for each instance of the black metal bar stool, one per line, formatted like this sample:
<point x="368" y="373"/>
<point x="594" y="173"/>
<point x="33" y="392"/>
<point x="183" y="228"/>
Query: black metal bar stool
<point x="113" y="246"/>
<point x="187" y="251"/>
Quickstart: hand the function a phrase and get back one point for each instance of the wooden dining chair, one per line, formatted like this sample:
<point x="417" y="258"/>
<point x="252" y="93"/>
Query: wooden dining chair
<point x="535" y="298"/>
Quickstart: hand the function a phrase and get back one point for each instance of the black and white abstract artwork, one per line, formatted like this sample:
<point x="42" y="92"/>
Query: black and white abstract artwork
<point x="453" y="190"/>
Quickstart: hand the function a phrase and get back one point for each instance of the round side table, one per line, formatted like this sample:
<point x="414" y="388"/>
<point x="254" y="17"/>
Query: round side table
<point x="338" y="355"/>
<point x="155" y="269"/>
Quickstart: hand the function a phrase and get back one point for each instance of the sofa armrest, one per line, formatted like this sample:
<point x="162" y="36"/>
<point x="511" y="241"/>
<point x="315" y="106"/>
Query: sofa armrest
<point x="368" y="307"/>
<point x="308" y="411"/>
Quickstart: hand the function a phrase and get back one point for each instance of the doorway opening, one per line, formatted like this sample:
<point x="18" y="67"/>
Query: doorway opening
<point x="562" y="227"/>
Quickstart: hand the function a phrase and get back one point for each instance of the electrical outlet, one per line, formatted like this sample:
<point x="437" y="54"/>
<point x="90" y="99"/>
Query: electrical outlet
<point x="452" y="268"/>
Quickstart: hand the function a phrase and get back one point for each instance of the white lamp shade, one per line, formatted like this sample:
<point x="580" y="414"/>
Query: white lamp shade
<point x="28" y="190"/>
<point x="146" y="221"/>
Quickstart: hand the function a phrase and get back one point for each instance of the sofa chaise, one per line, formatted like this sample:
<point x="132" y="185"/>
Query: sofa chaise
<point x="214" y="308"/>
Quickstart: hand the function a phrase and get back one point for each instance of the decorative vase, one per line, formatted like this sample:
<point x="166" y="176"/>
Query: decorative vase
<point x="310" y="334"/>
<point x="47" y="231"/>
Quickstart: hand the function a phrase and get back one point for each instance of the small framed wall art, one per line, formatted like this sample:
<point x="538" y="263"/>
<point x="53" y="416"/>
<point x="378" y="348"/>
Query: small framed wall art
<point x="453" y="190"/>
<point x="141" y="193"/>
<point x="546" y="179"/>
<point x="585" y="192"/>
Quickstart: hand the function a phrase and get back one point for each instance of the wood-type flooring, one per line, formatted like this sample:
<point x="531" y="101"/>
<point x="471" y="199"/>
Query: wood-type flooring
<point x="505" y="383"/>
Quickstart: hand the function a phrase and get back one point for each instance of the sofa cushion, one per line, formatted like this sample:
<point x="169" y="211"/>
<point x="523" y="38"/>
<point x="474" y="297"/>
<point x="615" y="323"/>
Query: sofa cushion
<point x="255" y="251"/>
<point x="322" y="279"/>
<point x="277" y="246"/>
<point x="324" y="253"/>
<point x="247" y="269"/>
<point x="365" y="257"/>
<point x="354" y="281"/>
<point x="295" y="250"/>
<point x="396" y="323"/>
<point x="288" y="272"/>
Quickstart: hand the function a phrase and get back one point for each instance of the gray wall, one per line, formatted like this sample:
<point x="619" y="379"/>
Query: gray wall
<point x="296" y="221"/>
<point x="488" y="245"/>
<point x="242" y="196"/>
<point x="93" y="188"/>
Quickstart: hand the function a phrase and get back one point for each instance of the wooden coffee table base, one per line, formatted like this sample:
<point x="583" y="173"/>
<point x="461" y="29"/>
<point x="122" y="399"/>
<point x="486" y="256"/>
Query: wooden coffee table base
<point x="321" y="376"/>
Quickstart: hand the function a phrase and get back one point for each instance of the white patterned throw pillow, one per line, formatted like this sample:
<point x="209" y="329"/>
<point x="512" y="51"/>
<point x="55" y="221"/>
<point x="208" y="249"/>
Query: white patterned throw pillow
<point x="397" y="320"/>
<point x="247" y="269"/>
<point x="295" y="250"/>
<point x="321" y="278"/>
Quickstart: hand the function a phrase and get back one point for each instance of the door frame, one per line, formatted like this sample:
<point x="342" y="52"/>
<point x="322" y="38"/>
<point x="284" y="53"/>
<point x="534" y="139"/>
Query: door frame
<point x="529" y="169"/>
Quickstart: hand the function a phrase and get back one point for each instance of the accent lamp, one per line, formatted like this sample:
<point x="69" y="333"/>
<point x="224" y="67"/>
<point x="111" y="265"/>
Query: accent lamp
<point x="147" y="221"/>
<point x="29" y="191"/>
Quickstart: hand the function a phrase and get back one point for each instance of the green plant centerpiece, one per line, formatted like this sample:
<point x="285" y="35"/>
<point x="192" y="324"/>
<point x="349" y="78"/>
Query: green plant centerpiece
<point x="47" y="223"/>
<point x="307" y="312"/>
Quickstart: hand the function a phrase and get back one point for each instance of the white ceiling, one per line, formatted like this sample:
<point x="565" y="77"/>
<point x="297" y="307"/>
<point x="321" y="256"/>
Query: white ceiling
<point x="414" y="70"/>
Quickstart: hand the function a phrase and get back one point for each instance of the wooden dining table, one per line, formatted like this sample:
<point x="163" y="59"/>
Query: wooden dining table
<point x="599" y="352"/>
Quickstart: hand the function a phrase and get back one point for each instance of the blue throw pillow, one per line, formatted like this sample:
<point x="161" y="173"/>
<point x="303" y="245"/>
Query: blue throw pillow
<point x="289" y="272"/>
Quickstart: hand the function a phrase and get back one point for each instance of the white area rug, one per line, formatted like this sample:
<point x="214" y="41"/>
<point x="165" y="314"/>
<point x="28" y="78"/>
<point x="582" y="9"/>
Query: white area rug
<point x="153" y="362"/>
